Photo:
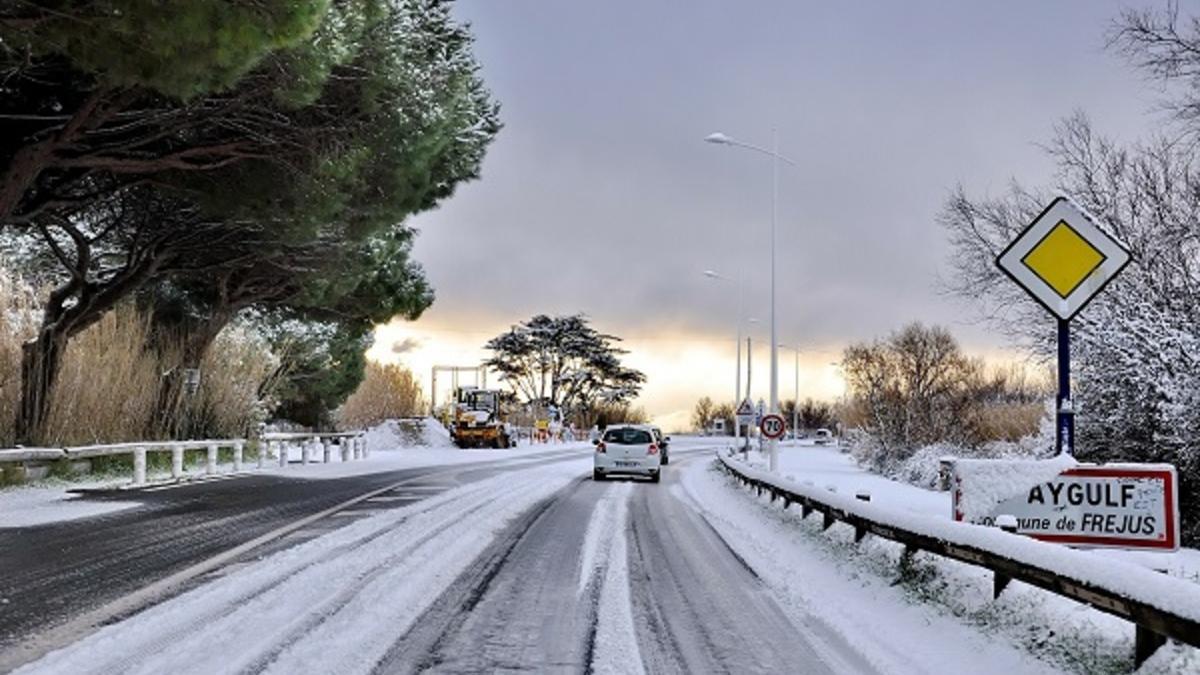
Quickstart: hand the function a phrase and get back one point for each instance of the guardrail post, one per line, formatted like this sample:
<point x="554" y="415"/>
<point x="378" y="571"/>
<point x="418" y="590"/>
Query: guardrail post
<point x="1145" y="643"/>
<point x="176" y="462"/>
<point x="1000" y="581"/>
<point x="210" y="467"/>
<point x="356" y="448"/>
<point x="139" y="466"/>
<point x="344" y="447"/>
<point x="327" y="448"/>
<point x="237" y="455"/>
<point x="366" y="450"/>
<point x="827" y="520"/>
<point x="264" y="447"/>
<point x="282" y="447"/>
<point x="306" y="451"/>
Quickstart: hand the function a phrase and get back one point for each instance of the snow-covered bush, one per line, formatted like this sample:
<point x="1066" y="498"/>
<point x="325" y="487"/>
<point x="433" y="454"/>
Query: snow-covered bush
<point x="917" y="389"/>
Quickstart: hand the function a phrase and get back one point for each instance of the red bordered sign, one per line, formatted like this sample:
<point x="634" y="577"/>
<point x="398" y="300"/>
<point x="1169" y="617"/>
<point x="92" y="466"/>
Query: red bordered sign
<point x="1115" y="506"/>
<point x="773" y="426"/>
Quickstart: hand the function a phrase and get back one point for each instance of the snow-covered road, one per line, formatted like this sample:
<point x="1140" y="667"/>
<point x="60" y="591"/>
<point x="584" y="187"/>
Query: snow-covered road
<point x="541" y="568"/>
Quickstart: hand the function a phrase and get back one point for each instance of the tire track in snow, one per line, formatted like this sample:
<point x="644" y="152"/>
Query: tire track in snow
<point x="395" y="561"/>
<point x="613" y="644"/>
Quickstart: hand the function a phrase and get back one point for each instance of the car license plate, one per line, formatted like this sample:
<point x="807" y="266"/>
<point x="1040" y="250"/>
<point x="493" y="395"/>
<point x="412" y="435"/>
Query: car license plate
<point x="627" y="464"/>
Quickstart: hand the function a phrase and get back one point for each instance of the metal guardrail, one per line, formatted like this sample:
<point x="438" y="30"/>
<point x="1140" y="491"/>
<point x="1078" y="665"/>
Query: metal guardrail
<point x="1153" y="622"/>
<point x="351" y="444"/>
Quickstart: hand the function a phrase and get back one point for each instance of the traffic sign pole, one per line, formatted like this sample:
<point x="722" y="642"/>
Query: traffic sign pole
<point x="1064" y="435"/>
<point x="1063" y="259"/>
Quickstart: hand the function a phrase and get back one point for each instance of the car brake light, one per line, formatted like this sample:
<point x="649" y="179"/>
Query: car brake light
<point x="653" y="450"/>
<point x="600" y="446"/>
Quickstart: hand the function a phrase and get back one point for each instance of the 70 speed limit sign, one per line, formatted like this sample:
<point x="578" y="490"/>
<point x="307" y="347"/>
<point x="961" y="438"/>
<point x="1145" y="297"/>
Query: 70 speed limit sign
<point x="773" y="426"/>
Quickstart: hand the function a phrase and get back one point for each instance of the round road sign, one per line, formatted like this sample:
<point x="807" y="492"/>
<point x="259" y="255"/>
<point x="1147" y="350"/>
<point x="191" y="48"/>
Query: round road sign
<point x="773" y="426"/>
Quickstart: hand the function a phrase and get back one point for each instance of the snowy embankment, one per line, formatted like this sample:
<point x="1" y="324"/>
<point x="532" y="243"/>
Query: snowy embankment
<point x="391" y="449"/>
<point x="810" y="566"/>
<point x="829" y="467"/>
<point x="333" y="604"/>
<point x="30" y="506"/>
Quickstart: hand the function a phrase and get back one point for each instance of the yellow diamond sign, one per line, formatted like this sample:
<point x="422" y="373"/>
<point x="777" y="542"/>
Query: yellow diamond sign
<point x="1063" y="259"/>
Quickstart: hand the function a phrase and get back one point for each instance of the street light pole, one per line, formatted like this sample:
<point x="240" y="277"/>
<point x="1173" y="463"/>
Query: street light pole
<point x="737" y="386"/>
<point x="774" y="444"/>
<point x="773" y="153"/>
<point x="796" y="404"/>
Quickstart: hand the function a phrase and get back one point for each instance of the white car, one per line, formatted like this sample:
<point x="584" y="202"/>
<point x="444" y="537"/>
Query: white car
<point x="823" y="437"/>
<point x="626" y="449"/>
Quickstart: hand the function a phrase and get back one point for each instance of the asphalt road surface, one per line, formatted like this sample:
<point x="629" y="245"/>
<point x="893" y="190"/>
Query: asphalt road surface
<point x="52" y="573"/>
<point x="617" y="576"/>
<point x="697" y="607"/>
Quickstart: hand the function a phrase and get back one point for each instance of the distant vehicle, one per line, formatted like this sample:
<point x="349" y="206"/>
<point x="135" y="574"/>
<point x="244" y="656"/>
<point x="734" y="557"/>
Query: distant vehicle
<point x="663" y="443"/>
<point x="627" y="449"/>
<point x="823" y="437"/>
<point x="477" y="420"/>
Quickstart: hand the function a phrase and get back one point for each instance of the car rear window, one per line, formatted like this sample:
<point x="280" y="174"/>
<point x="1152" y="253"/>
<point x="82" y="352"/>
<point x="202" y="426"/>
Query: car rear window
<point x="627" y="436"/>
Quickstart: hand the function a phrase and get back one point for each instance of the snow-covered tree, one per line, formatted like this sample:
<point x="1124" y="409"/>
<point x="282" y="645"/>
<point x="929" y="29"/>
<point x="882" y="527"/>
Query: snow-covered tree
<point x="1136" y="348"/>
<point x="564" y="362"/>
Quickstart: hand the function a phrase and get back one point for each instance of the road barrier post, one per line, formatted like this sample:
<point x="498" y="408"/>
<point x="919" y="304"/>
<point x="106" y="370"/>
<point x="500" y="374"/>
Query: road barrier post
<point x="327" y="448"/>
<point x="176" y="462"/>
<point x="139" y="466"/>
<point x="366" y="450"/>
<point x="282" y="447"/>
<point x="237" y="455"/>
<point x="344" y="447"/>
<point x="263" y="447"/>
<point x="210" y="466"/>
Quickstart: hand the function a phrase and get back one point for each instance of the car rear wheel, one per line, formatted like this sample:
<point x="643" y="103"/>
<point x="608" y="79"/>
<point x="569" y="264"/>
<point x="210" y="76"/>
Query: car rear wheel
<point x="655" y="477"/>
<point x="597" y="475"/>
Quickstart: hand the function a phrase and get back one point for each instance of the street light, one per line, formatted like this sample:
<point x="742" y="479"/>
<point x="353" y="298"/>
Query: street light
<point x="721" y="139"/>
<point x="796" y="403"/>
<point x="737" y="387"/>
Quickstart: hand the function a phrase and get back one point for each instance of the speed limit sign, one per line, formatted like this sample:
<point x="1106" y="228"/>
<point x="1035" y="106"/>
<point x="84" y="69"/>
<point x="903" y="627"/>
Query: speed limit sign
<point x="773" y="426"/>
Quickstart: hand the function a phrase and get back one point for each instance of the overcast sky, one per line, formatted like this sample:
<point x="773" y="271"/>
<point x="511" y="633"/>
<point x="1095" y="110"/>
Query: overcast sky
<point x="599" y="195"/>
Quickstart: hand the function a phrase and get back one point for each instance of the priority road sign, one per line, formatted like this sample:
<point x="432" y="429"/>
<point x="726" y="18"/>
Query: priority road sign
<point x="1063" y="258"/>
<point x="773" y="426"/>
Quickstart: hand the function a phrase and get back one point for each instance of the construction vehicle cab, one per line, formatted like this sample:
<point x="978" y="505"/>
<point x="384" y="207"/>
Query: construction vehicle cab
<point x="476" y="420"/>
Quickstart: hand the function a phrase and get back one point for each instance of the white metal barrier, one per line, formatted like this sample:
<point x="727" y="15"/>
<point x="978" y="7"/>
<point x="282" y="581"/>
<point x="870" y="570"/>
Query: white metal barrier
<point x="351" y="444"/>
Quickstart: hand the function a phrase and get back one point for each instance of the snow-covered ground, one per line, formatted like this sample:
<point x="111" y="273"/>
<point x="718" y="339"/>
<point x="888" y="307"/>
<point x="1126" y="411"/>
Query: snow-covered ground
<point x="826" y="467"/>
<point x="28" y="506"/>
<point x="863" y="589"/>
<point x="52" y="500"/>
<point x="333" y="604"/>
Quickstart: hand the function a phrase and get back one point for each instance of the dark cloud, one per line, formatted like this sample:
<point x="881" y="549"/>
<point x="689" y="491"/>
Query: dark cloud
<point x="599" y="195"/>
<point x="406" y="345"/>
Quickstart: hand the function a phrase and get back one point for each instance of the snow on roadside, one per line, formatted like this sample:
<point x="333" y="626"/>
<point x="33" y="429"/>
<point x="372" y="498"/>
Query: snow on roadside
<point x="51" y="501"/>
<point x="818" y="584"/>
<point x="826" y="467"/>
<point x="32" y="506"/>
<point x="906" y="608"/>
<point x="333" y="604"/>
<point x="604" y="567"/>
